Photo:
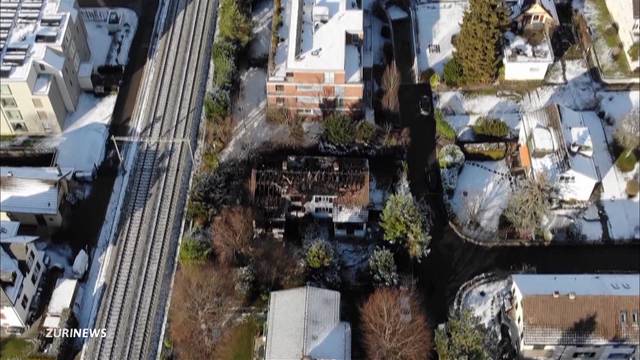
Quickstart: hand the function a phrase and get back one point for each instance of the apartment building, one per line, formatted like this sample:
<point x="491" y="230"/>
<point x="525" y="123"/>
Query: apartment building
<point x="317" y="63"/>
<point x="43" y="44"/>
<point x="23" y="263"/>
<point x="587" y="316"/>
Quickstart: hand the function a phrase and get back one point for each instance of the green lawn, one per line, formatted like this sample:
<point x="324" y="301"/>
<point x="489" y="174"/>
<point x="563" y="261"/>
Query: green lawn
<point x="14" y="348"/>
<point x="239" y="344"/>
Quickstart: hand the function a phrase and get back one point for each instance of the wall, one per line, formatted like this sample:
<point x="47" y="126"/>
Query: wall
<point x="525" y="70"/>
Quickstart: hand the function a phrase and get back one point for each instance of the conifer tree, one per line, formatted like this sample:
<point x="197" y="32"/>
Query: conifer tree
<point x="479" y="44"/>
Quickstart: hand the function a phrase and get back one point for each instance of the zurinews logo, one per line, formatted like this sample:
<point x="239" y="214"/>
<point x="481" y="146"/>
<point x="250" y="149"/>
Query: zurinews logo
<point x="76" y="333"/>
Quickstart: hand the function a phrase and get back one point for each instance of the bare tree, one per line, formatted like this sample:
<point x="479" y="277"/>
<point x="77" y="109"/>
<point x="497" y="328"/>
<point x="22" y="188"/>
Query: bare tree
<point x="391" y="85"/>
<point x="203" y="300"/>
<point x="628" y="131"/>
<point x="529" y="205"/>
<point x="394" y="326"/>
<point x="232" y="232"/>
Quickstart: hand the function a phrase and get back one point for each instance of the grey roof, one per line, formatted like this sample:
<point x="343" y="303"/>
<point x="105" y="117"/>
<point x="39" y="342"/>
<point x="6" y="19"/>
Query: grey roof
<point x="306" y="322"/>
<point x="636" y="9"/>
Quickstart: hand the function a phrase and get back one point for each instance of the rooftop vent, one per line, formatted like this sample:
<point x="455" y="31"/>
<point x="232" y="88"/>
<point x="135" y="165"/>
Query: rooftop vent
<point x="572" y="295"/>
<point x="316" y="52"/>
<point x="556" y="294"/>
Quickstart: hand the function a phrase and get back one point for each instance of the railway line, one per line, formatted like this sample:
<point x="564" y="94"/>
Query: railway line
<point x="132" y="309"/>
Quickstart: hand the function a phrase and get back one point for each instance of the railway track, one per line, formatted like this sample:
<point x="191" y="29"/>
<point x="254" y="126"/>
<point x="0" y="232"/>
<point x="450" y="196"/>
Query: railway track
<point x="132" y="309"/>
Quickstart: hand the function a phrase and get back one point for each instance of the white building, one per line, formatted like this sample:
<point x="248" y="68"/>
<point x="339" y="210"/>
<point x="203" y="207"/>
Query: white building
<point x="34" y="196"/>
<point x="42" y="46"/>
<point x="575" y="316"/>
<point x="22" y="266"/>
<point x="626" y="14"/>
<point x="62" y="299"/>
<point x="526" y="61"/>
<point x="304" y="323"/>
<point x="555" y="142"/>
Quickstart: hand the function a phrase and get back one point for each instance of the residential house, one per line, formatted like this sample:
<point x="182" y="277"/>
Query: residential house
<point x="535" y="15"/>
<point x="325" y="188"/>
<point x="556" y="143"/>
<point x="528" y="52"/>
<point x="317" y="63"/>
<point x="43" y="44"/>
<point x="23" y="262"/>
<point x="35" y="196"/>
<point x="575" y="316"/>
<point x="626" y="14"/>
<point x="304" y="323"/>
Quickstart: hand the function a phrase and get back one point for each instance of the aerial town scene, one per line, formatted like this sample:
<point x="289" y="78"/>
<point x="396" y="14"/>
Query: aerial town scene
<point x="320" y="179"/>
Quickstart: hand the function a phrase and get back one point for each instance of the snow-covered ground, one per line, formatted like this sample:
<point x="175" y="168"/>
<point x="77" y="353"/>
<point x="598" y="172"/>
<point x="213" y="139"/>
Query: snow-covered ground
<point x="461" y="123"/>
<point x="81" y="145"/>
<point x="484" y="299"/>
<point x="458" y="103"/>
<point x="482" y="194"/>
<point x="437" y="23"/>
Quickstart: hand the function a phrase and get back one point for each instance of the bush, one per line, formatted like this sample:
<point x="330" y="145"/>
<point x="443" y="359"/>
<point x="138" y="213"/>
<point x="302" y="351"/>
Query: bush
<point x="450" y="155"/>
<point x="434" y="80"/>
<point x="277" y="115"/>
<point x="490" y="127"/>
<point x="634" y="51"/>
<point x="234" y="23"/>
<point x="193" y="251"/>
<point x="633" y="187"/>
<point x="382" y="268"/>
<point x="224" y="64"/>
<point x="339" y="129"/>
<point x="452" y="72"/>
<point x="626" y="161"/>
<point x="365" y="132"/>
<point x="403" y="223"/>
<point x="486" y="151"/>
<point x="443" y="129"/>
<point x="216" y="104"/>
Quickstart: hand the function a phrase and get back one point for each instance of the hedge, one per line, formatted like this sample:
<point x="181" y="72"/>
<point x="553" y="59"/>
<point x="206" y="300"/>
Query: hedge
<point x="443" y="129"/>
<point x="339" y="129"/>
<point x="486" y="151"/>
<point x="224" y="63"/>
<point x="626" y="161"/>
<point x="490" y="127"/>
<point x="452" y="73"/>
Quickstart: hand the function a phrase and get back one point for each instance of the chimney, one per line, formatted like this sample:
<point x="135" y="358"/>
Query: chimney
<point x="572" y="295"/>
<point x="556" y="294"/>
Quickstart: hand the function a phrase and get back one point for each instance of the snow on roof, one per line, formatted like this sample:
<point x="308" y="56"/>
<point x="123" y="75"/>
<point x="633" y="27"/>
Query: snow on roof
<point x="62" y="297"/>
<point x="437" y="23"/>
<point x="543" y="139"/>
<point x="519" y="49"/>
<point x="317" y="39"/>
<point x="8" y="264"/>
<point x="8" y="229"/>
<point x="30" y="190"/>
<point x="34" y="20"/>
<point x="306" y="322"/>
<point x="396" y="13"/>
<point x="345" y="214"/>
<point x="583" y="284"/>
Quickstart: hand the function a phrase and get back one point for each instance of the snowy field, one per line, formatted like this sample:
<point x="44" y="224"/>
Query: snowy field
<point x="437" y="23"/>
<point x="482" y="193"/>
<point x="82" y="143"/>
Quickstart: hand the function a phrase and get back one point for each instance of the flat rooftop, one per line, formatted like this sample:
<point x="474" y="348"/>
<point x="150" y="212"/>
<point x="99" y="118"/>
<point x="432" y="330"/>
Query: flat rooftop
<point x="321" y="35"/>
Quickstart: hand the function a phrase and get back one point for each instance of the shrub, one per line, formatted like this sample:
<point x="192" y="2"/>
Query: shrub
<point x="365" y="132"/>
<point x="633" y="187"/>
<point x="634" y="52"/>
<point x="490" y="127"/>
<point x="382" y="268"/>
<point x="450" y="155"/>
<point x="486" y="151"/>
<point x="234" y="24"/>
<point x="452" y="73"/>
<point x="391" y="86"/>
<point x="626" y="161"/>
<point x="217" y="104"/>
<point x="224" y="64"/>
<point x="339" y="129"/>
<point x="443" y="129"/>
<point x="627" y="129"/>
<point x="403" y="223"/>
<point x="194" y="251"/>
<point x="277" y="115"/>
<point x="434" y="80"/>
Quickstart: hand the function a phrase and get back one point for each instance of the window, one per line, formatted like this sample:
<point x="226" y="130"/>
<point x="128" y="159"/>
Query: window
<point x="634" y="317"/>
<point x="19" y="126"/>
<point x="339" y="102"/>
<point x="339" y="91"/>
<point x="42" y="68"/>
<point x="280" y="101"/>
<point x="308" y="100"/>
<point x="5" y="90"/>
<point x="37" y="102"/>
<point x="279" y="88"/>
<point x="30" y="258"/>
<point x="329" y="77"/>
<point x="623" y="317"/>
<point x="309" y="88"/>
<point x="537" y="18"/>
<point x="24" y="302"/>
<point x="42" y="115"/>
<point x="8" y="102"/>
<point x="13" y="114"/>
<point x="584" y="355"/>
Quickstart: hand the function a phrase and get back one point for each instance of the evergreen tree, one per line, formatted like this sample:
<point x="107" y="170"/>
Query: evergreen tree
<point x="234" y="23"/>
<point x="382" y="268"/>
<point x="464" y="338"/>
<point x="323" y="267"/>
<point x="479" y="44"/>
<point x="403" y="223"/>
